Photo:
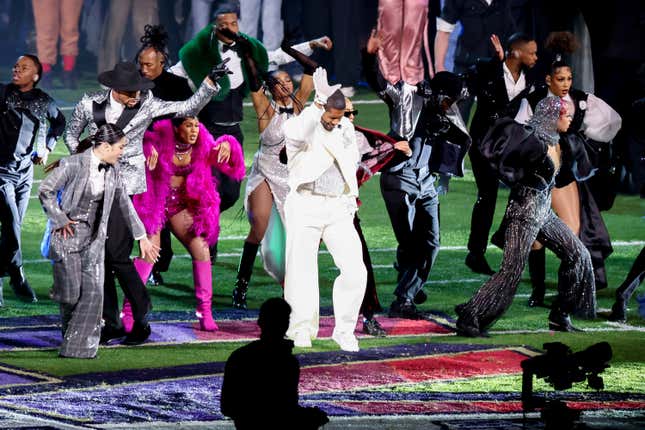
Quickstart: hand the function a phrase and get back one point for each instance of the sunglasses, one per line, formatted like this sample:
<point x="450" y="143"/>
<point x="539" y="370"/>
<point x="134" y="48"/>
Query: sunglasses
<point x="349" y="113"/>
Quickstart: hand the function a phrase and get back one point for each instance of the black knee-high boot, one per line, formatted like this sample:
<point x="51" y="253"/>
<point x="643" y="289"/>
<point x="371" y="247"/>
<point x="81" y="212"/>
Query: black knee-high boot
<point x="537" y="271"/>
<point x="244" y="272"/>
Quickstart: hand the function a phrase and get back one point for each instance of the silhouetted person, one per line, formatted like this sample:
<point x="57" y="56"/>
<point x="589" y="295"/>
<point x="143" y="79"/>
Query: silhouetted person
<point x="260" y="388"/>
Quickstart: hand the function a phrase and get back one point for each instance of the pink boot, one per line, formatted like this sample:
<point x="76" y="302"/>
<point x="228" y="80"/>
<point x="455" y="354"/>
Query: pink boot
<point x="203" y="276"/>
<point x="143" y="269"/>
<point x="126" y="316"/>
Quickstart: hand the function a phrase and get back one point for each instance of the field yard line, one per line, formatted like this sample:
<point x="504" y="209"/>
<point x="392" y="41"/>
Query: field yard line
<point x="618" y="243"/>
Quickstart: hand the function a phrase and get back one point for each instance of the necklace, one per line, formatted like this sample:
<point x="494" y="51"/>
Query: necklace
<point x="182" y="150"/>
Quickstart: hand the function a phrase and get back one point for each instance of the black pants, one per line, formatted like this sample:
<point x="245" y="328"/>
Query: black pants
<point x="634" y="278"/>
<point x="165" y="253"/>
<point x="415" y="221"/>
<point x="484" y="207"/>
<point x="118" y="248"/>
<point x="370" y="304"/>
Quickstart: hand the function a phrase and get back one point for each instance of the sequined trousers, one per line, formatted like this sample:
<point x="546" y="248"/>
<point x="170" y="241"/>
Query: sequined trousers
<point x="529" y="217"/>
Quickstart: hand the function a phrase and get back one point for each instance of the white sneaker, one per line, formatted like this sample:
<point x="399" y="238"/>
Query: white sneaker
<point x="346" y="341"/>
<point x="302" y="339"/>
<point x="348" y="91"/>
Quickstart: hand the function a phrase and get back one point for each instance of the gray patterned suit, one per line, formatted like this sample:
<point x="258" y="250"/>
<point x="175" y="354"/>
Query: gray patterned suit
<point x="78" y="260"/>
<point x="132" y="161"/>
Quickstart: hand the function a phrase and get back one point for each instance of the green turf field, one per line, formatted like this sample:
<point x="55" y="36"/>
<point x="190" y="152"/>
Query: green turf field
<point x="450" y="281"/>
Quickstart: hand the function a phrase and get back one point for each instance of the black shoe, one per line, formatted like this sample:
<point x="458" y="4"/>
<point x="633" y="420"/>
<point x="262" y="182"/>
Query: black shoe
<point x="239" y="293"/>
<point x="139" y="334"/>
<point x="478" y="264"/>
<point x="21" y="287"/>
<point x="373" y="328"/>
<point x="155" y="278"/>
<point x="110" y="333"/>
<point x="560" y="321"/>
<point x="406" y="310"/>
<point x="618" y="312"/>
<point x="536" y="300"/>
<point x="420" y="297"/>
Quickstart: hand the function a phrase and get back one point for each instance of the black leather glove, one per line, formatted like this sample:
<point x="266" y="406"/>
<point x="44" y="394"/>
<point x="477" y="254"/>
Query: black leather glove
<point x="308" y="65"/>
<point x="219" y="71"/>
<point x="243" y="44"/>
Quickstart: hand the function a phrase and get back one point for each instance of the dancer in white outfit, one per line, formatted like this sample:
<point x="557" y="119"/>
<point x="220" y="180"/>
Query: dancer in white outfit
<point x="323" y="155"/>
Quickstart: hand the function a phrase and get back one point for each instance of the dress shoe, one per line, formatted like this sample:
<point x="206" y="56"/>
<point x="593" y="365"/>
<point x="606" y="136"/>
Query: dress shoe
<point x="618" y="312"/>
<point x="109" y="333"/>
<point x="139" y="334"/>
<point x="301" y="339"/>
<point x="21" y="287"/>
<point x="155" y="278"/>
<point x="346" y="341"/>
<point x="478" y="264"/>
<point x="420" y="298"/>
<point x="560" y="321"/>
<point x="405" y="309"/>
<point x="536" y="300"/>
<point x="373" y="328"/>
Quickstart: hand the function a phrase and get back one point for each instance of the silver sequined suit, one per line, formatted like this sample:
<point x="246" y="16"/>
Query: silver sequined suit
<point x="267" y="166"/>
<point x="132" y="162"/>
<point x="529" y="217"/>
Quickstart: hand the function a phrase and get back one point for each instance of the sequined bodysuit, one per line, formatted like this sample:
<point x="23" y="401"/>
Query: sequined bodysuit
<point x="175" y="201"/>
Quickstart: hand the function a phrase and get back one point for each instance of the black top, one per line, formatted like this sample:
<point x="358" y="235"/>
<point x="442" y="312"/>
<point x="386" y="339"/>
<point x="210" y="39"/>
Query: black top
<point x="479" y="21"/>
<point x="24" y="114"/>
<point x="485" y="79"/>
<point x="171" y="87"/>
<point x="517" y="154"/>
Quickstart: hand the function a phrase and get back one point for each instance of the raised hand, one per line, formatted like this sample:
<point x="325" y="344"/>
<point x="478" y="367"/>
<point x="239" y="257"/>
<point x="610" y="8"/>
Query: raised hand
<point x="374" y="42"/>
<point x="219" y="71"/>
<point x="322" y="43"/>
<point x="322" y="87"/>
<point x="497" y="45"/>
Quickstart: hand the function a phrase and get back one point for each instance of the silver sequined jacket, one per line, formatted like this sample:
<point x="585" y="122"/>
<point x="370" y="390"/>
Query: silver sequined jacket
<point x="132" y="162"/>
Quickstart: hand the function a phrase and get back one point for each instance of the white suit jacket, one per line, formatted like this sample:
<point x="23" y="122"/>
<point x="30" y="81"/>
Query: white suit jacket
<point x="311" y="149"/>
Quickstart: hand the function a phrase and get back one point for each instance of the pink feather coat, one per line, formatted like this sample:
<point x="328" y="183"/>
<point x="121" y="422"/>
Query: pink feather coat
<point x="201" y="196"/>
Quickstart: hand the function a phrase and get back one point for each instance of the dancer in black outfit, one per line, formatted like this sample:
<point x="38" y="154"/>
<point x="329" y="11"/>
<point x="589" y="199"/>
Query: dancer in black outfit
<point x="634" y="278"/>
<point x="500" y="83"/>
<point x="528" y="159"/>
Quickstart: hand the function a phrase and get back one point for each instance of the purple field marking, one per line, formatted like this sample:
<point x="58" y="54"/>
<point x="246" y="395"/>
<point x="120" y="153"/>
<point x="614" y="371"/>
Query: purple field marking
<point x="177" y="332"/>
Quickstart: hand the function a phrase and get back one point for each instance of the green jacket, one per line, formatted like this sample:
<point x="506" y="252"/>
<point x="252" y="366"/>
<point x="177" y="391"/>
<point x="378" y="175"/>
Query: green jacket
<point x="201" y="53"/>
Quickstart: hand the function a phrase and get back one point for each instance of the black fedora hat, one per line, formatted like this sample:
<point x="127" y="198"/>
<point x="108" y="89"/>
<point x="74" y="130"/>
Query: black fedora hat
<point x="125" y="77"/>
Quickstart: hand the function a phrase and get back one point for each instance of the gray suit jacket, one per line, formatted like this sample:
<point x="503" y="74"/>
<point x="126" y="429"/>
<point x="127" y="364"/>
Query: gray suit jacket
<point x="132" y="161"/>
<point x="71" y="177"/>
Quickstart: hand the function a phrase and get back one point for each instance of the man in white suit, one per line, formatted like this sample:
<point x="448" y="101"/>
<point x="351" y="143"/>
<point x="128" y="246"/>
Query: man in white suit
<point x="323" y="156"/>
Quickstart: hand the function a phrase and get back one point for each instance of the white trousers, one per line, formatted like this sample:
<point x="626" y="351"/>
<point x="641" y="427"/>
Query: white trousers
<point x="310" y="218"/>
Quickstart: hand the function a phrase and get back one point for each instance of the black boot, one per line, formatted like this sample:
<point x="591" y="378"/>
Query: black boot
<point x="618" y="311"/>
<point x="478" y="264"/>
<point x="244" y="272"/>
<point x="20" y="286"/>
<point x="537" y="271"/>
<point x="560" y="321"/>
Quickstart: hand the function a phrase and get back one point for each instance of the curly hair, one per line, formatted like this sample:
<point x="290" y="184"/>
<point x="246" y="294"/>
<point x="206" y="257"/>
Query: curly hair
<point x="155" y="37"/>
<point x="562" y="44"/>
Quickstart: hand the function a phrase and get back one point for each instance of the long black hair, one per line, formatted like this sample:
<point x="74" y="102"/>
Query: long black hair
<point x="107" y="133"/>
<point x="155" y="37"/>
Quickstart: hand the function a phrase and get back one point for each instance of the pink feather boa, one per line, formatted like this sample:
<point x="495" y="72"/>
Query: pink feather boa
<point x="201" y="189"/>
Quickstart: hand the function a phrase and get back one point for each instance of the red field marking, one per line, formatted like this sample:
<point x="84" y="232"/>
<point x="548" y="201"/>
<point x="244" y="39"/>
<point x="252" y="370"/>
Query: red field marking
<point x="352" y="376"/>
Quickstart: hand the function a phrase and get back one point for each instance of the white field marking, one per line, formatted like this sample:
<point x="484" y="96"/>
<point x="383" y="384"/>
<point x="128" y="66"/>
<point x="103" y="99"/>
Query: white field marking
<point x="249" y="104"/>
<point x="378" y="250"/>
